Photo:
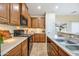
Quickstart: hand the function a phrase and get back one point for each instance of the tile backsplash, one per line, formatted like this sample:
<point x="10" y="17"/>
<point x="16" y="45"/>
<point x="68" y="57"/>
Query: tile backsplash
<point x="36" y="30"/>
<point x="7" y="27"/>
<point x="11" y="28"/>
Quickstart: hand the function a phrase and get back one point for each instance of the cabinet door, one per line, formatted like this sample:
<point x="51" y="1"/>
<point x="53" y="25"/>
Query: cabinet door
<point x="42" y="38"/>
<point x="24" y="10"/>
<point x="15" y="14"/>
<point x="36" y="38"/>
<point x="38" y="22"/>
<point x="52" y="48"/>
<point x="41" y="22"/>
<point x="62" y="52"/>
<point x="25" y="13"/>
<point x="25" y="48"/>
<point x="34" y="23"/>
<point x="15" y="51"/>
<point x="4" y="13"/>
<point x="29" y="21"/>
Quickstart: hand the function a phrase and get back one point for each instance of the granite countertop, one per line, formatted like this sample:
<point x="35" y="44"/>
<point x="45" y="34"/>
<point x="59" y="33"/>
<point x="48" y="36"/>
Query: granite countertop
<point x="10" y="44"/>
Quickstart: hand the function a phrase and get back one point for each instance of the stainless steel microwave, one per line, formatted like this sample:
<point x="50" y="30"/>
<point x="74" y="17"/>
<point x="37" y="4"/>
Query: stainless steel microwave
<point x="23" y="21"/>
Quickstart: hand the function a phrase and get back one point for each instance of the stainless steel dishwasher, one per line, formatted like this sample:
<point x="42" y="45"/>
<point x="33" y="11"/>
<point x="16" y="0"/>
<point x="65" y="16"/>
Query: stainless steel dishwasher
<point x="29" y="45"/>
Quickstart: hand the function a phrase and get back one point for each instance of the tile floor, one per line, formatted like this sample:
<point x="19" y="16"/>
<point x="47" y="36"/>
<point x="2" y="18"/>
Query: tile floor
<point x="39" y="49"/>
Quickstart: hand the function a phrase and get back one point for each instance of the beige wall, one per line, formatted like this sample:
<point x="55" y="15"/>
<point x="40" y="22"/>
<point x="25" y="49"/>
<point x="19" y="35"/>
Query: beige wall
<point x="67" y="18"/>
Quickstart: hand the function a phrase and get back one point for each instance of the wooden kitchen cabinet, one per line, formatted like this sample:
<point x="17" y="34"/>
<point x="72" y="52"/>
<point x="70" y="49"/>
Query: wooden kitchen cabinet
<point x="54" y="50"/>
<point x="15" y="14"/>
<point x="62" y="52"/>
<point x="34" y="23"/>
<point x="4" y="13"/>
<point x="15" y="51"/>
<point x="24" y="10"/>
<point x="10" y="13"/>
<point x="41" y="22"/>
<point x="24" y="48"/>
<point x="19" y="50"/>
<point x="36" y="38"/>
<point x="37" y="22"/>
<point x="39" y="38"/>
<point x="25" y="14"/>
<point x="42" y="38"/>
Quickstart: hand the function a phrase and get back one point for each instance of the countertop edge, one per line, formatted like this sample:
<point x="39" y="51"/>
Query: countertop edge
<point x="63" y="48"/>
<point x="7" y="50"/>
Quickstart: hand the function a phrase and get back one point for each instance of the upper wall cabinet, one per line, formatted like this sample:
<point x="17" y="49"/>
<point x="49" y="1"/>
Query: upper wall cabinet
<point x="11" y="13"/>
<point x="34" y="22"/>
<point x="38" y="22"/>
<point x="4" y="13"/>
<point x="25" y="13"/>
<point x="15" y="14"/>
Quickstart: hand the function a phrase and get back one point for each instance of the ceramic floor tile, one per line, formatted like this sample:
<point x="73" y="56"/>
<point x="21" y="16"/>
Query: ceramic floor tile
<point x="39" y="49"/>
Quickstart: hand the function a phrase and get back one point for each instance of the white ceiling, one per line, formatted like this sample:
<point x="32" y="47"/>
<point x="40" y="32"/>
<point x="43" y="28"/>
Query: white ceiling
<point x="63" y="8"/>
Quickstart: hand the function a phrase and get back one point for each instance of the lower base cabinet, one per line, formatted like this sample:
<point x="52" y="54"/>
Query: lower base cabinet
<point x="54" y="50"/>
<point x="39" y="38"/>
<point x="24" y="47"/>
<point x="19" y="50"/>
<point x="62" y="52"/>
<point x="15" y="51"/>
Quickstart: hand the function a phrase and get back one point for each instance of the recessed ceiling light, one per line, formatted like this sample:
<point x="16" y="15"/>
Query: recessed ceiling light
<point x="56" y="7"/>
<point x="39" y="7"/>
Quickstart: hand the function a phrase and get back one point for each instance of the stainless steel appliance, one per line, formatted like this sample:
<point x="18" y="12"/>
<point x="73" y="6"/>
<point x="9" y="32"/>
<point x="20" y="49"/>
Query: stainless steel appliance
<point x="23" y="21"/>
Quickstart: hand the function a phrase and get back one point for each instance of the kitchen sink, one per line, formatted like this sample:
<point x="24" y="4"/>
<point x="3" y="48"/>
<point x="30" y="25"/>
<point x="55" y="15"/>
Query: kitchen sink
<point x="72" y="47"/>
